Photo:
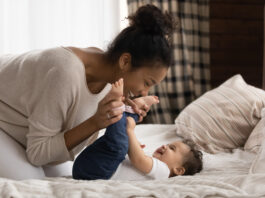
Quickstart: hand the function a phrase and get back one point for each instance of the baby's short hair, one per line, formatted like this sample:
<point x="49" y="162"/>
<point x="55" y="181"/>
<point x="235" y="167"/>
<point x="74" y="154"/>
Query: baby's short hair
<point x="193" y="161"/>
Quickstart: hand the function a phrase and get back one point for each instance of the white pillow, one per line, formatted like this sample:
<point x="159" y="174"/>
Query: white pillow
<point x="258" y="164"/>
<point x="253" y="142"/>
<point x="256" y="144"/>
<point x="223" y="118"/>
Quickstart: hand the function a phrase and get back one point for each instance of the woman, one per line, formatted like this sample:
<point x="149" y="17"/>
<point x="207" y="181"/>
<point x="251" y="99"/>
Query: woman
<point x="53" y="103"/>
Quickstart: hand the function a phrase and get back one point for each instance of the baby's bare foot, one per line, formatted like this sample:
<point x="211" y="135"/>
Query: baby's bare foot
<point x="116" y="91"/>
<point x="150" y="100"/>
<point x="147" y="100"/>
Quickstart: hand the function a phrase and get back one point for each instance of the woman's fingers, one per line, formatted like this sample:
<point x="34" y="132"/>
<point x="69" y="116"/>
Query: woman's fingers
<point x="108" y="112"/>
<point x="146" y="108"/>
<point x="133" y="105"/>
<point x="114" y="108"/>
<point x="143" y="113"/>
<point x="113" y="104"/>
<point x="114" y="120"/>
<point x="107" y="119"/>
<point x="139" y="106"/>
<point x="140" y="119"/>
<point x="105" y="100"/>
<point x="142" y="105"/>
<point x="114" y="112"/>
<point x="143" y="108"/>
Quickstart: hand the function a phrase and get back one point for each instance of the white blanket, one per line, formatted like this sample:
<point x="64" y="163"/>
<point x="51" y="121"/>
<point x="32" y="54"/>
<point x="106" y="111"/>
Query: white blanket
<point x="224" y="175"/>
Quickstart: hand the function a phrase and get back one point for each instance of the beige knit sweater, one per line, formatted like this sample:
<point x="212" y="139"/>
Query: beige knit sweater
<point x="43" y="93"/>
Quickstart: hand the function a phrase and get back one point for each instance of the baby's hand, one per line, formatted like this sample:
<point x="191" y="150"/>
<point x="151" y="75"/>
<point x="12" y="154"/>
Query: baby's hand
<point x="142" y="104"/>
<point x="142" y="145"/>
<point x="130" y="124"/>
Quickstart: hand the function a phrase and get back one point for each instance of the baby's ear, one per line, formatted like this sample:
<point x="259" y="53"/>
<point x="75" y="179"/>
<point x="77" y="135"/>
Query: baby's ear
<point x="179" y="170"/>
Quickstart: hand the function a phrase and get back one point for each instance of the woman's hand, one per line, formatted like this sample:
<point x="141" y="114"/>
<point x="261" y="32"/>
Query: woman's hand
<point x="110" y="107"/>
<point x="142" y="105"/>
<point x="109" y="111"/>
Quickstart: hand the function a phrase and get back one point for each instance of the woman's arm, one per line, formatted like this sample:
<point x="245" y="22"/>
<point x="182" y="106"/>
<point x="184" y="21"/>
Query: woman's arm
<point x="137" y="157"/>
<point x="79" y="133"/>
<point x="99" y="121"/>
<point x="45" y="141"/>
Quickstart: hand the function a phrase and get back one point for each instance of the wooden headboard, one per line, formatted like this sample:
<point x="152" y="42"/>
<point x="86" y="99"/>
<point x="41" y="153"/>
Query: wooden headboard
<point x="237" y="41"/>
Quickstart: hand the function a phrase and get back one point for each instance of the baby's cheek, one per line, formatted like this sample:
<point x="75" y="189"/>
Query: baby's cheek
<point x="154" y="155"/>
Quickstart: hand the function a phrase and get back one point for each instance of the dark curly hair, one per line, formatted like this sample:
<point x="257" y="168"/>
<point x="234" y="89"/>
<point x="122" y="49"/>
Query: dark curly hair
<point x="193" y="161"/>
<point x="146" y="38"/>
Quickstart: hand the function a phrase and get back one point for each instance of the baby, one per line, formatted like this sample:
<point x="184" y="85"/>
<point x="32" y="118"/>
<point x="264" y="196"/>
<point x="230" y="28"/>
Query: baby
<point x="176" y="158"/>
<point x="101" y="159"/>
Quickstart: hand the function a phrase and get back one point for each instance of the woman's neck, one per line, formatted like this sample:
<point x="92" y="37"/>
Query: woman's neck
<point x="96" y="66"/>
<point x="98" y="70"/>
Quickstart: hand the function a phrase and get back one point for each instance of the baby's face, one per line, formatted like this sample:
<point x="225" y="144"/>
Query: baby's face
<point x="172" y="154"/>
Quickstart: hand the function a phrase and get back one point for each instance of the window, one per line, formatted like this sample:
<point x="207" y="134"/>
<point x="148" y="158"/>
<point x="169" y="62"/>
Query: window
<point x="37" y="24"/>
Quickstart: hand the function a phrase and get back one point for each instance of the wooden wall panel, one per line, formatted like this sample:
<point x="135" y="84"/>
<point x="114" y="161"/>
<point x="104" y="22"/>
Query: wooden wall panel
<point x="236" y="40"/>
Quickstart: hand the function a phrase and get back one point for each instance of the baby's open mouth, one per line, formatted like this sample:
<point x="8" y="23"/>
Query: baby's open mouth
<point x="131" y="95"/>
<point x="160" y="151"/>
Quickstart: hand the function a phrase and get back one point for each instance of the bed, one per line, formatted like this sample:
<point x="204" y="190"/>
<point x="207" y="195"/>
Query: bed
<point x="224" y="175"/>
<point x="228" y="123"/>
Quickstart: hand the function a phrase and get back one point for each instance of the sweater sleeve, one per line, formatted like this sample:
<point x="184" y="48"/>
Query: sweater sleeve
<point x="53" y="98"/>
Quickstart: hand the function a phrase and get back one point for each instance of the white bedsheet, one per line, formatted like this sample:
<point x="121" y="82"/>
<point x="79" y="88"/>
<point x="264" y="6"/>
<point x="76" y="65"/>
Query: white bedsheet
<point x="224" y="175"/>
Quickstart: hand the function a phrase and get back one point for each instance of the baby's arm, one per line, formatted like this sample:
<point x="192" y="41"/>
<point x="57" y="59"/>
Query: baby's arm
<point x="137" y="157"/>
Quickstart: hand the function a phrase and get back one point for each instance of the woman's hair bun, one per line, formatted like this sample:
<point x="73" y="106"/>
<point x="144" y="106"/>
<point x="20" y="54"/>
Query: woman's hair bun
<point x="151" y="20"/>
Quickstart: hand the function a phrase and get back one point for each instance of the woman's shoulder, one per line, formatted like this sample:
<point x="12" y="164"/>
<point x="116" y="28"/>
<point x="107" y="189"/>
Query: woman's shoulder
<point x="60" y="55"/>
<point x="93" y="49"/>
<point x="62" y="59"/>
<point x="58" y="64"/>
<point x="86" y="49"/>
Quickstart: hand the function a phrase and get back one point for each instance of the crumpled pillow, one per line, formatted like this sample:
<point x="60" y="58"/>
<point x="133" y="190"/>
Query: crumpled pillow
<point x="256" y="144"/>
<point x="223" y="118"/>
<point x="256" y="137"/>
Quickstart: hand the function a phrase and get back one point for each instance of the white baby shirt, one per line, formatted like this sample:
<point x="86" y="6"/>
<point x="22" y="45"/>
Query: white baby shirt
<point x="126" y="171"/>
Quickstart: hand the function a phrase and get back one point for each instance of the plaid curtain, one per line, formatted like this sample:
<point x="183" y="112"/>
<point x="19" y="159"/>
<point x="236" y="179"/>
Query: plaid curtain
<point x="190" y="76"/>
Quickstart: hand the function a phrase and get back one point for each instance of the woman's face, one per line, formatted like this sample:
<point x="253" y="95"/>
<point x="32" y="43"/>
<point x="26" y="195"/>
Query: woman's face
<point x="138" y="82"/>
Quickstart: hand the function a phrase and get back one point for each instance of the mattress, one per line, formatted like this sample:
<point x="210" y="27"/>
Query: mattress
<point x="223" y="175"/>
